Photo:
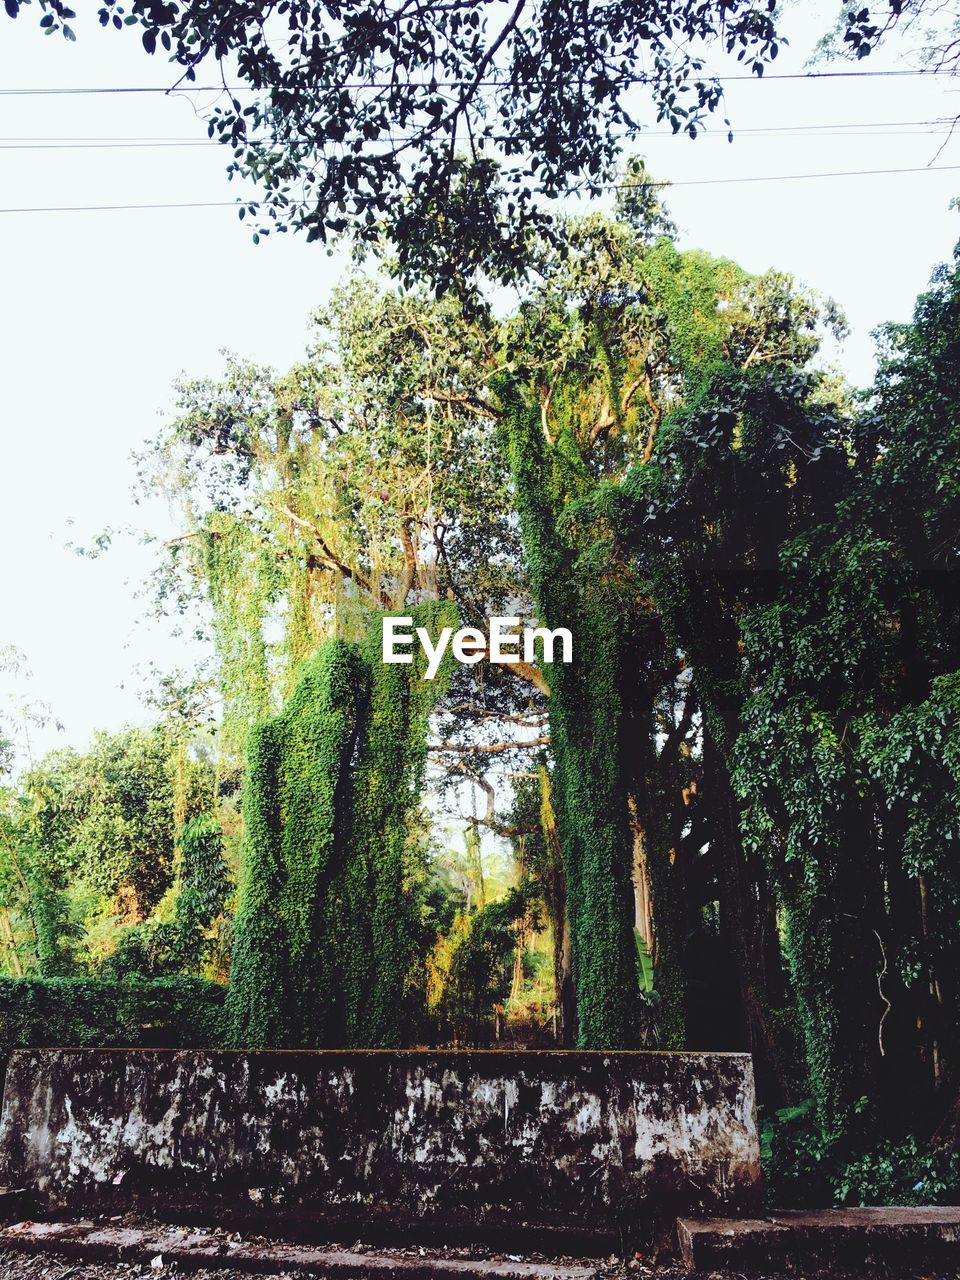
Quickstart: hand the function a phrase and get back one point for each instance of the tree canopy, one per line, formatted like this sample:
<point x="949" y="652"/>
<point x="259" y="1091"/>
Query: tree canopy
<point x="727" y="823"/>
<point x="442" y="132"/>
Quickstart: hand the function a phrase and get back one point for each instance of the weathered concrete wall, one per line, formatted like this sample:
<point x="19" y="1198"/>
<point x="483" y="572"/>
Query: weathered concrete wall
<point x="463" y="1143"/>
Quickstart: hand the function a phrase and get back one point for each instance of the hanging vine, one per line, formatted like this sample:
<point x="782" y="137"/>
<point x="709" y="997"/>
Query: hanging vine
<point x="589" y="793"/>
<point x="324" y="934"/>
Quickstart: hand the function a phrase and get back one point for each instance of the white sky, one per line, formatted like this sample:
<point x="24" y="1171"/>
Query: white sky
<point x="101" y="312"/>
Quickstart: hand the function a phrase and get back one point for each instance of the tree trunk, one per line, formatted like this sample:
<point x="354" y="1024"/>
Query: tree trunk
<point x="9" y="941"/>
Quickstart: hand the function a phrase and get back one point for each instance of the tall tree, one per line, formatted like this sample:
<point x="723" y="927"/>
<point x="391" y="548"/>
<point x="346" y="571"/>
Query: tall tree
<point x="438" y="127"/>
<point x="624" y="332"/>
<point x="803" y="557"/>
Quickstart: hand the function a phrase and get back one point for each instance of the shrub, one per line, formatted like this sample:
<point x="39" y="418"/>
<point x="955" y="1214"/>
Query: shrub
<point x="161" y="1012"/>
<point x="802" y="1171"/>
<point x="905" y="1172"/>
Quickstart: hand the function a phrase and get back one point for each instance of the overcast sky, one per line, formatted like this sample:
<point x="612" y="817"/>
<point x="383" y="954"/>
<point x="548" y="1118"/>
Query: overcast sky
<point x="101" y="312"/>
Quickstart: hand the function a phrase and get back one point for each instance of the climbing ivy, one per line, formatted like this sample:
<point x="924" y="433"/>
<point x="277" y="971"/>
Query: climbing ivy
<point x="388" y="779"/>
<point x="201" y="885"/>
<point x="626" y="332"/>
<point x="180" y="1012"/>
<point x="589" y="794"/>
<point x="281" y="985"/>
<point x="324" y="930"/>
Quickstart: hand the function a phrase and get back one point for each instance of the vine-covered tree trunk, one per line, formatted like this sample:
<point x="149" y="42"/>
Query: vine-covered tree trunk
<point x="831" y="951"/>
<point x="586" y="720"/>
<point x="749" y="926"/>
<point x="323" y="935"/>
<point x="282" y="984"/>
<point x="387" y="781"/>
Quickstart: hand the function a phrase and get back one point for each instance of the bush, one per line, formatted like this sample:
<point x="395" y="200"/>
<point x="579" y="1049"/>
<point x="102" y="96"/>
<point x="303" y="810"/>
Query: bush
<point x="169" y="1013"/>
<point x="795" y="1159"/>
<point x="802" y="1171"/>
<point x="906" y="1172"/>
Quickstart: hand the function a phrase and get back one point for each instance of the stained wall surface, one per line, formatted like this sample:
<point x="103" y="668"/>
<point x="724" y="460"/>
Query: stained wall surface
<point x="346" y="1142"/>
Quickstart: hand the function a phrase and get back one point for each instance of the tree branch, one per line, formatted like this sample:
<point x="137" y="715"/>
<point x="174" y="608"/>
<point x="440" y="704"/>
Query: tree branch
<point x="488" y="749"/>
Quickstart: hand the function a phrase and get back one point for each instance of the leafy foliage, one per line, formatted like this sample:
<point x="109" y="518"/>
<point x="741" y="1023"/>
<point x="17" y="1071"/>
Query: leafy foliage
<point x="361" y="479"/>
<point x="626" y="331"/>
<point x="106" y="816"/>
<point x="181" y="935"/>
<point x="325" y="922"/>
<point x="167" y="1012"/>
<point x="440" y="129"/>
<point x="437" y="127"/>
<point x="477" y="969"/>
<point x="801" y="1170"/>
<point x="590" y="799"/>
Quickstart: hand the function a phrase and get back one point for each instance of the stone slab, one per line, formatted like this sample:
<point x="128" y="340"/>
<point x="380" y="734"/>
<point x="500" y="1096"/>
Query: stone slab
<point x="192" y="1250"/>
<point x="586" y="1146"/>
<point x="794" y="1240"/>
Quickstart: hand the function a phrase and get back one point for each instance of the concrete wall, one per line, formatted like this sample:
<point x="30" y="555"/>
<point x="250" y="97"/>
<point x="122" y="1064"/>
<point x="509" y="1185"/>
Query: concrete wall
<point x="349" y="1143"/>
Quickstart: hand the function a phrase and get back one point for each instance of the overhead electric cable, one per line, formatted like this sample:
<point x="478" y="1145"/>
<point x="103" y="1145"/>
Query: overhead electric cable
<point x="617" y="186"/>
<point x="906" y="129"/>
<point x="433" y="85"/>
<point x="648" y="133"/>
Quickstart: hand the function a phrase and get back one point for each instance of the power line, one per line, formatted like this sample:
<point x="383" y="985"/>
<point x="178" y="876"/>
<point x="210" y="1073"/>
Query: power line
<point x="617" y="186"/>
<point x="796" y="177"/>
<point x="664" y="133"/>
<point x="186" y="87"/>
<point x="113" y="208"/>
<point x="187" y="144"/>
<point x="896" y="129"/>
<point x="855" y="129"/>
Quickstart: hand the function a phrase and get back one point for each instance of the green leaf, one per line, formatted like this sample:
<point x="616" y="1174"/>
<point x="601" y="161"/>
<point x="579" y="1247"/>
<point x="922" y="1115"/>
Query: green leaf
<point x="644" y="963"/>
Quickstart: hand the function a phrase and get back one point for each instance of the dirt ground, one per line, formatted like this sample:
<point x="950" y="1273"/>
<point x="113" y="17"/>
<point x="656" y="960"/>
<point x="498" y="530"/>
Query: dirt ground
<point x="18" y="1266"/>
<point x="15" y="1266"/>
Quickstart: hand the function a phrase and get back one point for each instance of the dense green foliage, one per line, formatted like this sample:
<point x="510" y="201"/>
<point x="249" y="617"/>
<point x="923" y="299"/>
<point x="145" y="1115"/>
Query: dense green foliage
<point x="479" y="969"/>
<point x="802" y="1172"/>
<point x="585" y="712"/>
<point x="625" y="330"/>
<point x="728" y="823"/>
<point x="91" y="865"/>
<point x="802" y="556"/>
<point x="183" y="934"/>
<point x="166" y="1012"/>
<point x="326" y="920"/>
<point x="109" y="815"/>
<point x="281" y="976"/>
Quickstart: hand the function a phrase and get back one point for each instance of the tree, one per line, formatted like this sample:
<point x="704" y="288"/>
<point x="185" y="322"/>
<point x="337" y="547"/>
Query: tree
<point x="326" y="924"/>
<point x="626" y="330"/>
<point x="862" y="701"/>
<point x="436" y="128"/>
<point x="363" y="480"/>
<point x="99" y="834"/>
<point x="801" y="549"/>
